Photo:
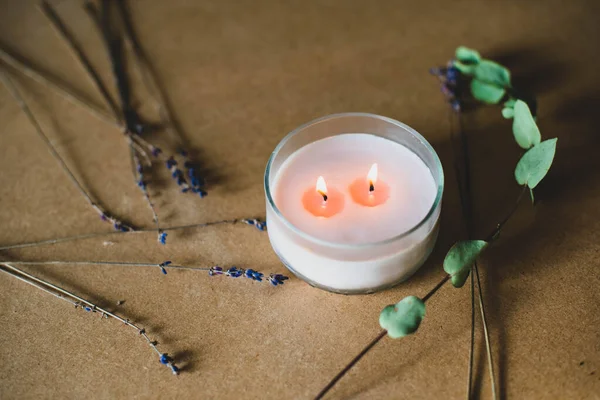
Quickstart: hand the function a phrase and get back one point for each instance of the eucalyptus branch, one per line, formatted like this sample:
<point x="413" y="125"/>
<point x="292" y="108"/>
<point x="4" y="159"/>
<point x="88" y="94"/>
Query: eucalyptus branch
<point x="10" y="86"/>
<point x="258" y="224"/>
<point x="88" y="306"/>
<point x="490" y="83"/>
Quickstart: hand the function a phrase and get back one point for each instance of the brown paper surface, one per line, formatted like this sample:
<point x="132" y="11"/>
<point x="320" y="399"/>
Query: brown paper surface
<point x="241" y="75"/>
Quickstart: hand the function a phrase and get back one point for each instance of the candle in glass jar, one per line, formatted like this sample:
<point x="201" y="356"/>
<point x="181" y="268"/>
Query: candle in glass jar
<point x="349" y="210"/>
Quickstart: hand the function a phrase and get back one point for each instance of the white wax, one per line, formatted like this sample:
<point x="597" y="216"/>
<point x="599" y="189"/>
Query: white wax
<point x="342" y="257"/>
<point x="341" y="160"/>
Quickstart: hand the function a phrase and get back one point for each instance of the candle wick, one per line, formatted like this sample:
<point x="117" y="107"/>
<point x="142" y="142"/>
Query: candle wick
<point x="324" y="195"/>
<point x="371" y="187"/>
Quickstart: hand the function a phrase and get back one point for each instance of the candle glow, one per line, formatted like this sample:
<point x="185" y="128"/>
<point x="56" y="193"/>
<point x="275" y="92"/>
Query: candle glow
<point x="372" y="177"/>
<point x="322" y="188"/>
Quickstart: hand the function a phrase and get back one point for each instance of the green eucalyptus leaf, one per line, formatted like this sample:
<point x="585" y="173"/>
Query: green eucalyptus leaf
<point x="510" y="103"/>
<point x="466" y="55"/>
<point x="459" y="279"/>
<point x="464" y="68"/>
<point x="403" y="318"/>
<point x="535" y="163"/>
<point x="460" y="257"/>
<point x="526" y="131"/>
<point x="492" y="72"/>
<point x="485" y="92"/>
<point x="508" y="112"/>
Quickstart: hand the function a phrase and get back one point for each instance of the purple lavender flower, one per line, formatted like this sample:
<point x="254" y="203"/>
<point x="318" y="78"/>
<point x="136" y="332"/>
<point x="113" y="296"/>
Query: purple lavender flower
<point x="254" y="275"/>
<point x="277" y="279"/>
<point x="216" y="270"/>
<point x="162" y="238"/>
<point x="171" y="163"/>
<point x="163" y="265"/>
<point x="260" y="225"/>
<point x="155" y="151"/>
<point x="234" y="272"/>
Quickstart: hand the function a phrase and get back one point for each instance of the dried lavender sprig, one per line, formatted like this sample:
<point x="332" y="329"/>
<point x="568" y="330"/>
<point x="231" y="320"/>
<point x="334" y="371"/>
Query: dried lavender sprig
<point x="149" y="79"/>
<point x="134" y="126"/>
<point x="117" y="224"/>
<point x="87" y="306"/>
<point x="100" y="234"/>
<point x="80" y="56"/>
<point x="60" y="88"/>
<point x="233" y="272"/>
<point x="138" y="175"/>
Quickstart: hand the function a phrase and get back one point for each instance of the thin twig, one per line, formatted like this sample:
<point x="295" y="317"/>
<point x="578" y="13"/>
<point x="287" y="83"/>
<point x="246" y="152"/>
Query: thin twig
<point x="368" y="347"/>
<point x="106" y="263"/>
<point x="88" y="306"/>
<point x="61" y="89"/>
<point x="148" y="75"/>
<point x="488" y="345"/>
<point x="78" y="54"/>
<point x="340" y="374"/>
<point x="138" y="231"/>
<point x="472" y="342"/>
<point x="21" y="102"/>
<point x="466" y="205"/>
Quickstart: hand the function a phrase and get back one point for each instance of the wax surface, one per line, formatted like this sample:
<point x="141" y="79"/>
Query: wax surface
<point x="341" y="160"/>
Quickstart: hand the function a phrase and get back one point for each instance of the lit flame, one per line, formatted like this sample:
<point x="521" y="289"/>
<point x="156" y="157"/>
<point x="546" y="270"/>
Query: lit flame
<point x="372" y="177"/>
<point x="322" y="188"/>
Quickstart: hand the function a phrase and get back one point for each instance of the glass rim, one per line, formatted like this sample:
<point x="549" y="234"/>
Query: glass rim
<point x="438" y="170"/>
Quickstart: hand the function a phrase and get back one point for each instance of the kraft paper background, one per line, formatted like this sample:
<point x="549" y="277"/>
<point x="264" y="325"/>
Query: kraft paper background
<point x="241" y="74"/>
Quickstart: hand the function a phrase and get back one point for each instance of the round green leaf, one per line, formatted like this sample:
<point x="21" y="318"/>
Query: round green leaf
<point x="488" y="93"/>
<point x="460" y="257"/>
<point x="403" y="318"/>
<point x="459" y="279"/>
<point x="535" y="163"/>
<point x="526" y="131"/>
<point x="464" y="68"/>
<point x="510" y="103"/>
<point x="466" y="55"/>
<point x="492" y="72"/>
<point x="508" y="112"/>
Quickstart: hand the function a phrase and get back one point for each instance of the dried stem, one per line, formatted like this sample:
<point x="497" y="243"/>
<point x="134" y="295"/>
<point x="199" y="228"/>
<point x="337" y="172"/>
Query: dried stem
<point x="148" y="75"/>
<point x="87" y="305"/>
<point x="78" y="54"/>
<point x="29" y="71"/>
<point x="364" y="351"/>
<point x="488" y="346"/>
<point x="137" y="231"/>
<point x="106" y="263"/>
<point x="21" y="102"/>
<point x="472" y="341"/>
<point x="368" y="347"/>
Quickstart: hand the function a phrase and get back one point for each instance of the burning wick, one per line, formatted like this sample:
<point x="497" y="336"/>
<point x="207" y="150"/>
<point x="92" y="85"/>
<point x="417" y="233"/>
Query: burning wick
<point x="322" y="188"/>
<point x="372" y="177"/>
